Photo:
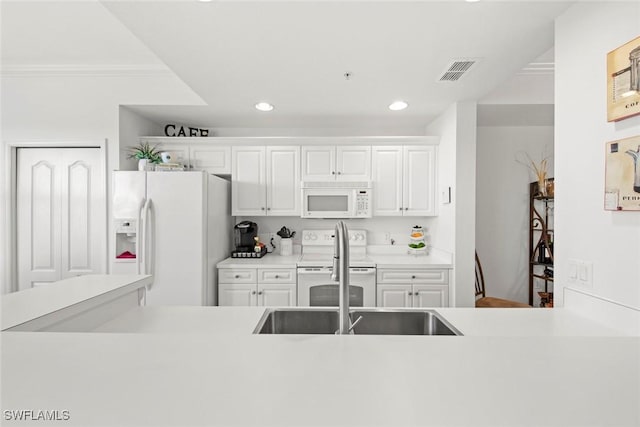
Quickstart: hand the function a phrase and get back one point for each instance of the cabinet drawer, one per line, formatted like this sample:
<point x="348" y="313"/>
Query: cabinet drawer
<point x="413" y="276"/>
<point x="276" y="275"/>
<point x="237" y="275"/>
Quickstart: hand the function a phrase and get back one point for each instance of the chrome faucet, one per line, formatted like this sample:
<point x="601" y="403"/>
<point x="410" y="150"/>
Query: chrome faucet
<point x="340" y="274"/>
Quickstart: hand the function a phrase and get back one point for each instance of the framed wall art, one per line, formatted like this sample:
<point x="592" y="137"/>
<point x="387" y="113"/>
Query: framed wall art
<point x="623" y="81"/>
<point x="622" y="175"/>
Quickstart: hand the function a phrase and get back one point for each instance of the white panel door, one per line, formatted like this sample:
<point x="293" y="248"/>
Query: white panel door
<point x="248" y="185"/>
<point x="280" y="295"/>
<point x="212" y="159"/>
<point x="386" y="177"/>
<point x="393" y="295"/>
<point x="419" y="185"/>
<point x="283" y="181"/>
<point x="430" y="296"/>
<point x="318" y="163"/>
<point x="353" y="163"/>
<point x="176" y="252"/>
<point x="60" y="213"/>
<point x="237" y="294"/>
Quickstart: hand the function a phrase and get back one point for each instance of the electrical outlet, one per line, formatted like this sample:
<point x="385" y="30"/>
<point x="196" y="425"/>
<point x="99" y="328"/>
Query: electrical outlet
<point x="387" y="238"/>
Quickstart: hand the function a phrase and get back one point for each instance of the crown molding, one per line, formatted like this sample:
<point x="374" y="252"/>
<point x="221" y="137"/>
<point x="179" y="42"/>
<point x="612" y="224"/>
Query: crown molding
<point x="104" y="70"/>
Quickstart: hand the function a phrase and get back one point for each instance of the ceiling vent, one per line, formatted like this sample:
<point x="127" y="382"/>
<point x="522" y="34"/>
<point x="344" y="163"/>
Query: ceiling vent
<point x="456" y="69"/>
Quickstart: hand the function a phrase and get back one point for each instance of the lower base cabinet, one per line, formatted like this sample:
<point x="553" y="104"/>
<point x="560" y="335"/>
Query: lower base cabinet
<point x="257" y="287"/>
<point x="412" y="288"/>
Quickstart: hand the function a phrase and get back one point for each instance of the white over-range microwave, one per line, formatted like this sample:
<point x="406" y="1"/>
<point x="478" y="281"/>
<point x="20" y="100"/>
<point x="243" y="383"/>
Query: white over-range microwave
<point x="336" y="199"/>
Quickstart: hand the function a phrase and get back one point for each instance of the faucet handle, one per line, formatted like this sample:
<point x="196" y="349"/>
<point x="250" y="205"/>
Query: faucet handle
<point x="353" y="325"/>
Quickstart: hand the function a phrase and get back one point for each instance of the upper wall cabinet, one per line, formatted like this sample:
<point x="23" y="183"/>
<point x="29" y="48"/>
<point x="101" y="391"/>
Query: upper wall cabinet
<point x="215" y="159"/>
<point x="265" y="181"/>
<point x="336" y="163"/>
<point x="404" y="180"/>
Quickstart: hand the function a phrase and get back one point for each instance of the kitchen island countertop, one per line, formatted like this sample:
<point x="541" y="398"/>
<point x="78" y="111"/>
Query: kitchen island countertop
<point x="203" y="366"/>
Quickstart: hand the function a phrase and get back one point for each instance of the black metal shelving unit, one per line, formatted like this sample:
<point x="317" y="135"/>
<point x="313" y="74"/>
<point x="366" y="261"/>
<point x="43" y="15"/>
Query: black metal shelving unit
<point x="540" y="239"/>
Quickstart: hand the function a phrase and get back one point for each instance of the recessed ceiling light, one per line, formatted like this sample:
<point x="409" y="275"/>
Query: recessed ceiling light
<point x="398" y="105"/>
<point x="472" y="1"/>
<point x="264" y="106"/>
<point x="205" y="1"/>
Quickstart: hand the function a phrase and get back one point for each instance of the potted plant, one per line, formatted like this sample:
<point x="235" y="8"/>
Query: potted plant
<point x="145" y="153"/>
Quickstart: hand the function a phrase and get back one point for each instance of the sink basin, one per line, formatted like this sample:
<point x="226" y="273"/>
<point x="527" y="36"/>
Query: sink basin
<point x="401" y="322"/>
<point x="297" y="321"/>
<point x="373" y="322"/>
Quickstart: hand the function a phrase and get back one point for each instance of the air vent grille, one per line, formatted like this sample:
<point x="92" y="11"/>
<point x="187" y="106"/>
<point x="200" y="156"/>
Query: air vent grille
<point x="456" y="69"/>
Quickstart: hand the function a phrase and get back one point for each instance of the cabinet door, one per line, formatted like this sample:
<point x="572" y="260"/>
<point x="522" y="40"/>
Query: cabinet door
<point x="386" y="177"/>
<point x="419" y="183"/>
<point x="179" y="153"/>
<point x="277" y="295"/>
<point x="283" y="181"/>
<point x="353" y="163"/>
<point x="393" y="296"/>
<point x="248" y="185"/>
<point x="430" y="296"/>
<point x="213" y="159"/>
<point x="318" y="163"/>
<point x="233" y="294"/>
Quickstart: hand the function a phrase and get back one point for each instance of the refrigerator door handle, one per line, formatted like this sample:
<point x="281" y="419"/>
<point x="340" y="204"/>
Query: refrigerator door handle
<point x="139" y="238"/>
<point x="145" y="247"/>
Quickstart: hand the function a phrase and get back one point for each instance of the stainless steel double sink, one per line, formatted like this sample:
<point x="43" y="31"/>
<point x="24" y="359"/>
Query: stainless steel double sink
<point x="374" y="322"/>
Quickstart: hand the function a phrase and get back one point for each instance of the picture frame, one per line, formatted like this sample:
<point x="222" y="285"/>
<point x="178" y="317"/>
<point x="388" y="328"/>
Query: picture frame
<point x="622" y="175"/>
<point x="623" y="81"/>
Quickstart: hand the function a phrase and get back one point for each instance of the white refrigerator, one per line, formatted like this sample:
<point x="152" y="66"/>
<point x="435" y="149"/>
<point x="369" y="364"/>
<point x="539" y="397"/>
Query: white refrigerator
<point x="175" y="226"/>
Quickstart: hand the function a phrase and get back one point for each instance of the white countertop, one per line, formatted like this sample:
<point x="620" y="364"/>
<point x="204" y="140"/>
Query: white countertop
<point x="20" y="307"/>
<point x="395" y="259"/>
<point x="267" y="261"/>
<point x="188" y="366"/>
<point x="230" y="378"/>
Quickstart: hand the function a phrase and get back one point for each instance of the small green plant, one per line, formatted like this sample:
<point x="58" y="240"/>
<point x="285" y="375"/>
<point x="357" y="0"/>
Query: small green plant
<point x="145" y="151"/>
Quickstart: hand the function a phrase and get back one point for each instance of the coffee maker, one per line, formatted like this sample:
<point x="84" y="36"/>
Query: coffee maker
<point x="245" y="233"/>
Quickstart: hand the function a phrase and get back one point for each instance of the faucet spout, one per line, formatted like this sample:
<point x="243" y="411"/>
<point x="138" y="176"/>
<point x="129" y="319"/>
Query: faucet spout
<point x="341" y="274"/>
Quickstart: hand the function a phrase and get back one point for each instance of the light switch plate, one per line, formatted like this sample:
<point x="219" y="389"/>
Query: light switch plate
<point x="446" y="196"/>
<point x="573" y="270"/>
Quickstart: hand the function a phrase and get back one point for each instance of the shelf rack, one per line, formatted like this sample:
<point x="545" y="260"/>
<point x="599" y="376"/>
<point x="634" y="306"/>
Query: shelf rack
<point x="540" y="236"/>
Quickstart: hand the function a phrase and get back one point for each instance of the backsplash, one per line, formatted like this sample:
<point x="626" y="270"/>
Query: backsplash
<point x="381" y="230"/>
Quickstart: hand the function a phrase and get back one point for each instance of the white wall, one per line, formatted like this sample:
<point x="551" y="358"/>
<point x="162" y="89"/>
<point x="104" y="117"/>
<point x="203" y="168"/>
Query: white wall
<point x="502" y="205"/>
<point x="132" y="126"/>
<point x="585" y="231"/>
<point x="75" y="107"/>
<point x="454" y="228"/>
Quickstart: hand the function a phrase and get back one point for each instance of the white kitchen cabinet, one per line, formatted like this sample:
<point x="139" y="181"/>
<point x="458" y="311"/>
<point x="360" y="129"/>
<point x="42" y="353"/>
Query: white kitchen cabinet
<point x="336" y="163"/>
<point x="412" y="288"/>
<point x="237" y="294"/>
<point x="214" y="159"/>
<point x="394" y="295"/>
<point x="265" y="181"/>
<point x="262" y="287"/>
<point x="404" y="180"/>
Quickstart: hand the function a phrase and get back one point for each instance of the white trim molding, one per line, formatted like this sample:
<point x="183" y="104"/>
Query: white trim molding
<point x="105" y="70"/>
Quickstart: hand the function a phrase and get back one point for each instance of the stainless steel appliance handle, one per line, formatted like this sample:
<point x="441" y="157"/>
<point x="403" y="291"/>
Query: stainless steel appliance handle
<point x="362" y="271"/>
<point x="315" y="271"/>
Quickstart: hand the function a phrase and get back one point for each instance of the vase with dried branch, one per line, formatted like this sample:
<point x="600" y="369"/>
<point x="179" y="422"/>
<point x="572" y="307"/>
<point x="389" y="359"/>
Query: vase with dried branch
<point x="540" y="172"/>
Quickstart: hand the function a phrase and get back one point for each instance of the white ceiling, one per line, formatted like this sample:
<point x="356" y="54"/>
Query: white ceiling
<point x="290" y="53"/>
